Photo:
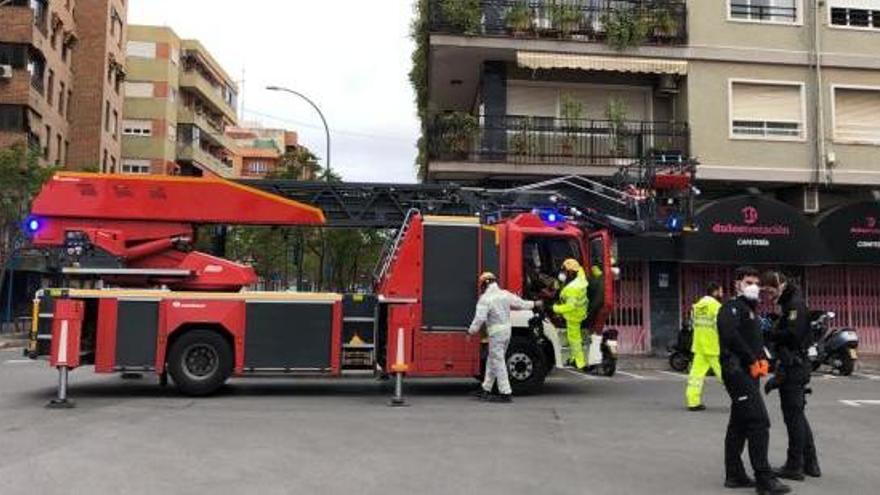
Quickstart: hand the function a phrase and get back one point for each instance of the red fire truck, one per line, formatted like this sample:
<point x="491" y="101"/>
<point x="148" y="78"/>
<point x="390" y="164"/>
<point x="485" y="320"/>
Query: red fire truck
<point x="158" y="306"/>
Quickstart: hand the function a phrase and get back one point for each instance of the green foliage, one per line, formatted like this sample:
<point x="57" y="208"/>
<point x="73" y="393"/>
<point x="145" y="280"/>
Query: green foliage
<point x="523" y="140"/>
<point x="617" y="113"/>
<point x="418" y="76"/>
<point x="457" y="130"/>
<point x="570" y="107"/>
<point x="566" y="16"/>
<point x="519" y="18"/>
<point x="462" y="15"/>
<point x="300" y="164"/>
<point x="21" y="178"/>
<point x="664" y="23"/>
<point x="625" y="28"/>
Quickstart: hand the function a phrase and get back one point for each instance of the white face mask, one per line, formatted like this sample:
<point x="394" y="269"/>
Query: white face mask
<point x="562" y="277"/>
<point x="751" y="292"/>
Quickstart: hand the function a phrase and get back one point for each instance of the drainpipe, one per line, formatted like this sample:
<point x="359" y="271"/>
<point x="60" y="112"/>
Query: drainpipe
<point x="821" y="174"/>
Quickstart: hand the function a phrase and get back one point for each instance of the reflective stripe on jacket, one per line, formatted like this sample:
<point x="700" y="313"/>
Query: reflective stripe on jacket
<point x="705" y="318"/>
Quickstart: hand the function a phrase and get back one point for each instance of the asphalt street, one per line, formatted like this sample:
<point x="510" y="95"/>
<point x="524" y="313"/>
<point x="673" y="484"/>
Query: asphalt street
<point x="626" y="435"/>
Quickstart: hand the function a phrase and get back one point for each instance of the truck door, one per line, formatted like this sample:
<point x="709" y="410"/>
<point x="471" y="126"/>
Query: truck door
<point x="600" y="273"/>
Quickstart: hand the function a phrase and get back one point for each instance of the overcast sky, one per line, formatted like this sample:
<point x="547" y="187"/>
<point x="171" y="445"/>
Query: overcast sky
<point x="349" y="56"/>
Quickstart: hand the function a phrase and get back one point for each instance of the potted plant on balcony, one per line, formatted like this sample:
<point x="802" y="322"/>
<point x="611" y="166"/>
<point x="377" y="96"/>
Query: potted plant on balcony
<point x="625" y="28"/>
<point x="571" y="110"/>
<point x="567" y="17"/>
<point x="456" y="131"/>
<point x="665" y="25"/>
<point x="518" y="19"/>
<point x="616" y="113"/>
<point x="522" y="141"/>
<point x="464" y="16"/>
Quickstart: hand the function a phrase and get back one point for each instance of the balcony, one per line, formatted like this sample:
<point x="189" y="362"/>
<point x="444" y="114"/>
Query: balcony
<point x="197" y="155"/>
<point x="211" y="128"/>
<point x="193" y="80"/>
<point x="526" y="140"/>
<point x="619" y="23"/>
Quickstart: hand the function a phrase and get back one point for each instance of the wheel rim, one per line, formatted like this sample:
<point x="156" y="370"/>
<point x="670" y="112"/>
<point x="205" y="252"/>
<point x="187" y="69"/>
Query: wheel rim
<point x="520" y="366"/>
<point x="200" y="361"/>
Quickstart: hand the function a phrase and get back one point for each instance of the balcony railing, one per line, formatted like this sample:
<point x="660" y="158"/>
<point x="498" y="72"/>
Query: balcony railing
<point x="618" y="22"/>
<point x="552" y="141"/>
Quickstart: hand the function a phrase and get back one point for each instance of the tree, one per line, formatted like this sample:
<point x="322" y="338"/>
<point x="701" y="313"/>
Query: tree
<point x="21" y="178"/>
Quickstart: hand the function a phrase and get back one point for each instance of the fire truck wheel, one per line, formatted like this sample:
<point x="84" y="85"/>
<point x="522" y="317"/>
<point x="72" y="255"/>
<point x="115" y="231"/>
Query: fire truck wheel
<point x="525" y="366"/>
<point x="200" y="362"/>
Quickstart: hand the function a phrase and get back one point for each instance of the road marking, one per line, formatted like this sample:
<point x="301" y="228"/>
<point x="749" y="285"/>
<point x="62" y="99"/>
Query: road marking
<point x="859" y="403"/>
<point x="637" y="377"/>
<point x="20" y="361"/>
<point x="583" y="376"/>
<point x="869" y="377"/>
<point x="672" y="373"/>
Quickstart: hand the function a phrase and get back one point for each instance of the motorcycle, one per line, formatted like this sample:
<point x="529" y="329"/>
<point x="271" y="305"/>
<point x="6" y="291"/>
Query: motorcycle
<point x="837" y="347"/>
<point x="680" y="355"/>
<point x="609" y="352"/>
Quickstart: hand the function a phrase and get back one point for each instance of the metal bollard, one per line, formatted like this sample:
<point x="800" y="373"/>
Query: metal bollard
<point x="399" y="369"/>
<point x="61" y="402"/>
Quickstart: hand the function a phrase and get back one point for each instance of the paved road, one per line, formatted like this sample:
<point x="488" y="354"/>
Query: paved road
<point x="625" y="435"/>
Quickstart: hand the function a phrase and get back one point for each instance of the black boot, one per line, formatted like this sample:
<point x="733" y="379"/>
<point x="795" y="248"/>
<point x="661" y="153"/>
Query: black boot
<point x="742" y="481"/>
<point x="502" y="398"/>
<point x="812" y="470"/>
<point x="481" y="394"/>
<point x="772" y="486"/>
<point x="788" y="473"/>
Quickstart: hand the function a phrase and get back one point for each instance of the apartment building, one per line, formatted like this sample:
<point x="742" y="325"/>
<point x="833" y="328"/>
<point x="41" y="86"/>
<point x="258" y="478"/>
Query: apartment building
<point x="99" y="72"/>
<point x="178" y="103"/>
<point x="259" y="150"/>
<point x="778" y="101"/>
<point x="37" y="40"/>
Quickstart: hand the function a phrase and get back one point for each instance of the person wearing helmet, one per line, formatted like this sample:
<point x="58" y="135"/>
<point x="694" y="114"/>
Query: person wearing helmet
<point x="572" y="307"/>
<point x="493" y="311"/>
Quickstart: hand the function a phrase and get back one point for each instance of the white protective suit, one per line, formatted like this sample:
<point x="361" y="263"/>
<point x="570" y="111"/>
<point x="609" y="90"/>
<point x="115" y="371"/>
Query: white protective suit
<point x="493" y="310"/>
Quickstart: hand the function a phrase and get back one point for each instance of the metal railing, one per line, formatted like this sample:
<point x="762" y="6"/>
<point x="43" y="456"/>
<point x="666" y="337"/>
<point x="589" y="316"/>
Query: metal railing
<point x="660" y="21"/>
<point x="543" y="140"/>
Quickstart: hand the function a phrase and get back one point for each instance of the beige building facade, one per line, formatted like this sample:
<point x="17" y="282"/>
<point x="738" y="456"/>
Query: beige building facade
<point x="178" y="103"/>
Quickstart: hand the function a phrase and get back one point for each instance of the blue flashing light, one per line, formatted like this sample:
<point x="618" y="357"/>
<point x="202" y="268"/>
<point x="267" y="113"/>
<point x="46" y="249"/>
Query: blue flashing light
<point x="674" y="223"/>
<point x="551" y="216"/>
<point x="33" y="225"/>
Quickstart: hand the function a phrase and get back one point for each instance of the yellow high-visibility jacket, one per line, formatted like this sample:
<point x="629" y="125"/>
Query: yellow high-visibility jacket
<point x="705" y="316"/>
<point x="573" y="299"/>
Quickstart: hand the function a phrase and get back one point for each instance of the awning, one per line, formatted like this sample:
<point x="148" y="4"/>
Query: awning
<point x="543" y="60"/>
<point x="852" y="233"/>
<point x="753" y="229"/>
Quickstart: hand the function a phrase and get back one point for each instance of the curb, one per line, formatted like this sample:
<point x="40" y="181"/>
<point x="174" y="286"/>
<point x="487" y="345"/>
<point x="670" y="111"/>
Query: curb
<point x="12" y="344"/>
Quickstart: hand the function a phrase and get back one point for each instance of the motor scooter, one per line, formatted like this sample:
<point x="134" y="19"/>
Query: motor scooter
<point x="834" y="347"/>
<point x="680" y="355"/>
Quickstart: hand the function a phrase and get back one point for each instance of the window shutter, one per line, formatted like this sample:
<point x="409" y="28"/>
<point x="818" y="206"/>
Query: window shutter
<point x="857" y="114"/>
<point x="531" y="101"/>
<point x="855" y="4"/>
<point x="138" y="89"/>
<point x="766" y="103"/>
<point x="144" y="49"/>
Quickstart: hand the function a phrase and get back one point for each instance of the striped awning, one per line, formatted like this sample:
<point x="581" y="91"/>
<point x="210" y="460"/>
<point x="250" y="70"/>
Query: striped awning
<point x="541" y="60"/>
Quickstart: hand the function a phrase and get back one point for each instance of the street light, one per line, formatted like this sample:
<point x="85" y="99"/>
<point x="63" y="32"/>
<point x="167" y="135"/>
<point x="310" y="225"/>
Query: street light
<point x="310" y="102"/>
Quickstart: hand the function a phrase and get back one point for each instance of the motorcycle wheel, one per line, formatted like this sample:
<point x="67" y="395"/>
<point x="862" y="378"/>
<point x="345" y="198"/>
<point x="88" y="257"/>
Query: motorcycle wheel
<point x="608" y="366"/>
<point x="679" y="362"/>
<point x="845" y="364"/>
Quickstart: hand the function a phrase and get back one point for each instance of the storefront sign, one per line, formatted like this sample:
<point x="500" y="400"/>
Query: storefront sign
<point x="852" y="232"/>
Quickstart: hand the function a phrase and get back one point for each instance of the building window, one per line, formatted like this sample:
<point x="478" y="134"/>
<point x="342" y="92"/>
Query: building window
<point x="41" y="14"/>
<point x="139" y="89"/>
<point x="258" y="168"/>
<point x="767" y="110"/>
<point x="61" y="93"/>
<point x="142" y="49"/>
<point x="66" y="148"/>
<point x="12" y="118"/>
<point x="107" y="116"/>
<point x="104" y="167"/>
<point x="781" y="11"/>
<point x="37" y="69"/>
<point x="69" y="100"/>
<point x="857" y="115"/>
<point x="115" y="124"/>
<point x="142" y="128"/>
<point x="172" y="132"/>
<point x="58" y="150"/>
<point x="861" y="14"/>
<point x="14" y="55"/>
<point x="46" y="149"/>
<point x="135" y="166"/>
<point x="50" y="88"/>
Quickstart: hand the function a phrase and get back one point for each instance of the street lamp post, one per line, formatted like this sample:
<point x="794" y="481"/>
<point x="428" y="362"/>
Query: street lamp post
<point x="321" y="114"/>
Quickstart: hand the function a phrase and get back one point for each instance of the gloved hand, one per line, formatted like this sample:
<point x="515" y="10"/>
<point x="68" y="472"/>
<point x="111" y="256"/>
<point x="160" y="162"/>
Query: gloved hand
<point x="759" y="368"/>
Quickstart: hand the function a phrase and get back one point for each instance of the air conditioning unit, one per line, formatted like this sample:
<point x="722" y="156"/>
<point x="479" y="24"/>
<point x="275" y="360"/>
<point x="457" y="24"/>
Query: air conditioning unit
<point x="811" y="200"/>
<point x="5" y="72"/>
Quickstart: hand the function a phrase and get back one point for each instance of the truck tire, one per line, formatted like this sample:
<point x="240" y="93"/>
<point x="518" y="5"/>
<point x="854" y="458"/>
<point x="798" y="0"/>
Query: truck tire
<point x="200" y="362"/>
<point x="525" y="366"/>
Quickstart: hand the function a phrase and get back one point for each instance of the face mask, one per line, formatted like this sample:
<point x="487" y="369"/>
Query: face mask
<point x="562" y="277"/>
<point x="751" y="292"/>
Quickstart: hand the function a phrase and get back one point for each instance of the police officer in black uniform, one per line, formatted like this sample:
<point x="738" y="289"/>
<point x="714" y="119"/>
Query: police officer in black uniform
<point x="792" y="336"/>
<point x="743" y="362"/>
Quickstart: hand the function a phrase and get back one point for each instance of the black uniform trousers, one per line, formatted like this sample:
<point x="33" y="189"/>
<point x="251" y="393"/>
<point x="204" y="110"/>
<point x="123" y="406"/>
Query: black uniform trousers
<point x="749" y="422"/>
<point x="801" y="447"/>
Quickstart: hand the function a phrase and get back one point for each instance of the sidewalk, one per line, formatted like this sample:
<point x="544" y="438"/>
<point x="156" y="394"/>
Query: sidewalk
<point x="12" y="341"/>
